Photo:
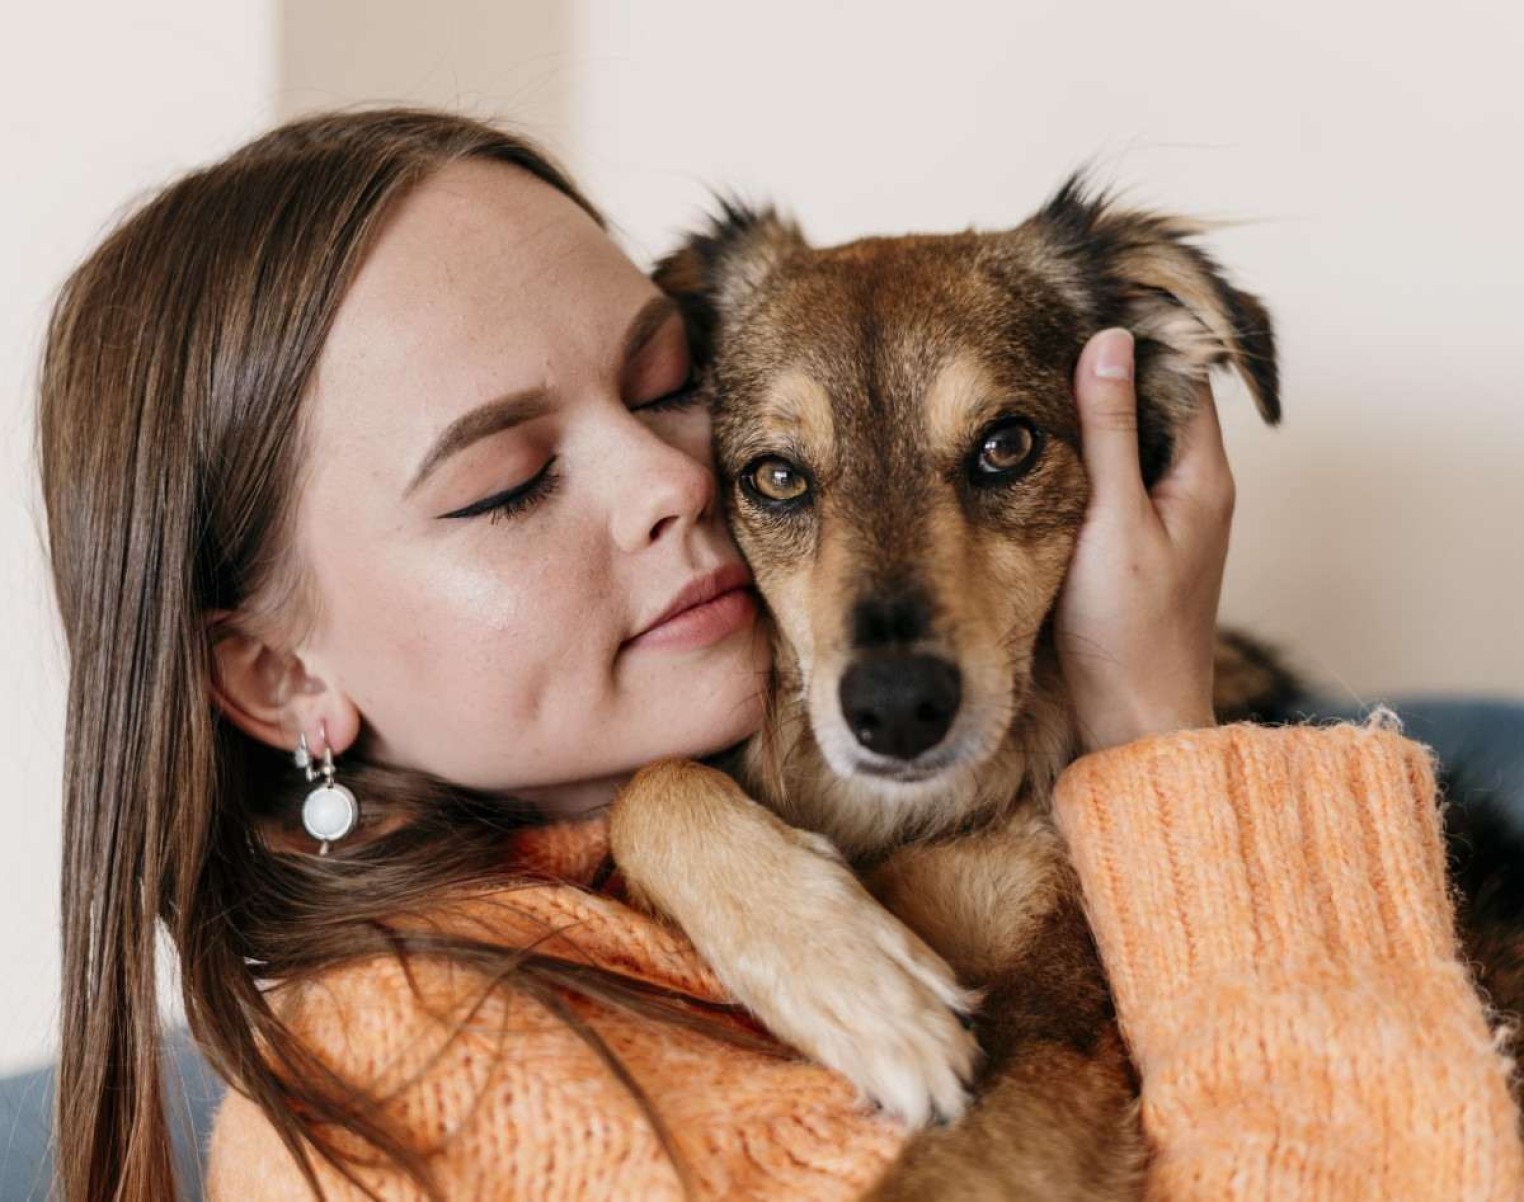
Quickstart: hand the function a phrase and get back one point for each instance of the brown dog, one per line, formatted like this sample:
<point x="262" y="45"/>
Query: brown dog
<point x="899" y="449"/>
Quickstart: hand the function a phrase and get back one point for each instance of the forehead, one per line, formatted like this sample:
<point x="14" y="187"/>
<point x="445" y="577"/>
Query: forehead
<point x="482" y="280"/>
<point x="920" y="334"/>
<point x="474" y="245"/>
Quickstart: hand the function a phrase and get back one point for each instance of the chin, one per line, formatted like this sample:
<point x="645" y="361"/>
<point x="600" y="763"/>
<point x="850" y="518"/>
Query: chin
<point x="723" y="726"/>
<point x="706" y="704"/>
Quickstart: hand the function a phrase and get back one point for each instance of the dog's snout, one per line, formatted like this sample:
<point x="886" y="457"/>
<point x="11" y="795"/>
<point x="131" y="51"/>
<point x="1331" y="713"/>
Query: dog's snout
<point x="901" y="705"/>
<point x="896" y="620"/>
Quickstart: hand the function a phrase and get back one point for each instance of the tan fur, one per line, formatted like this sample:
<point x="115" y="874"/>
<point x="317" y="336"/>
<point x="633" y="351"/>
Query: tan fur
<point x="878" y="367"/>
<point x="797" y="411"/>
<point x="741" y="879"/>
<point x="954" y="399"/>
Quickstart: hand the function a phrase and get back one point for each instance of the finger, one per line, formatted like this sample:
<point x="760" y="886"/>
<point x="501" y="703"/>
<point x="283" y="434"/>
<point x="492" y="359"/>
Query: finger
<point x="1200" y="455"/>
<point x="1200" y="475"/>
<point x="1108" y="409"/>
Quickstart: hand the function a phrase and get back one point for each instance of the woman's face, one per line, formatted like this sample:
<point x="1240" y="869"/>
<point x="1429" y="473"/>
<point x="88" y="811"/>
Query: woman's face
<point x="508" y="496"/>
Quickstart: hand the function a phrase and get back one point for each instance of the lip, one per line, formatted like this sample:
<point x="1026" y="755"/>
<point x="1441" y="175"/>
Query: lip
<point x="905" y="774"/>
<point x="937" y="762"/>
<point x="705" y="610"/>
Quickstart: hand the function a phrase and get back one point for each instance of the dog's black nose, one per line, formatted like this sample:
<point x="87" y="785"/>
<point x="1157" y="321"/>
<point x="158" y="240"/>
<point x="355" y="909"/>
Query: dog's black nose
<point x="900" y="705"/>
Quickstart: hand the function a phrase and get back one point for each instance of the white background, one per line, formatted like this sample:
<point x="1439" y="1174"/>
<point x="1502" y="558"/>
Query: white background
<point x="1372" y="150"/>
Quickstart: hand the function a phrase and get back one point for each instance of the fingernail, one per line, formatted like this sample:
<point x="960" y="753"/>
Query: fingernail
<point x="1113" y="355"/>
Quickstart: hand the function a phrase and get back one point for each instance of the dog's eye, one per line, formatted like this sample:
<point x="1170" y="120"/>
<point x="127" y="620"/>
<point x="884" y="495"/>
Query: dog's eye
<point x="775" y="480"/>
<point x="1005" y="449"/>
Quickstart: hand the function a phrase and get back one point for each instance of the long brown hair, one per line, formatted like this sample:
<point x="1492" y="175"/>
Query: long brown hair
<point x="170" y="441"/>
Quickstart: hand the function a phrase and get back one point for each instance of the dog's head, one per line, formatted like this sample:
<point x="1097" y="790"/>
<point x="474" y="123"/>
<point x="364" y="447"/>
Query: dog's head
<point x="898" y="445"/>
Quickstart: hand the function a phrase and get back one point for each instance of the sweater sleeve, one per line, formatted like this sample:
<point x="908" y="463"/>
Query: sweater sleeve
<point x="508" y="1096"/>
<point x="1271" y="906"/>
<point x="504" y="1101"/>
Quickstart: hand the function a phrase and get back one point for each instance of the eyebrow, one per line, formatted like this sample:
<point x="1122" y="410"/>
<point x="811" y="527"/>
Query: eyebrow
<point x="653" y="315"/>
<point x="518" y="407"/>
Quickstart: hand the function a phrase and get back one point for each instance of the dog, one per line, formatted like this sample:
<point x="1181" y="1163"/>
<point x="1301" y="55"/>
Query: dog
<point x="875" y="874"/>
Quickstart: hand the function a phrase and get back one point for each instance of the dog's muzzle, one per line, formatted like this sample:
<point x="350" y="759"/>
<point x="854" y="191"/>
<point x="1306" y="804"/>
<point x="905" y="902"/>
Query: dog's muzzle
<point x="900" y="705"/>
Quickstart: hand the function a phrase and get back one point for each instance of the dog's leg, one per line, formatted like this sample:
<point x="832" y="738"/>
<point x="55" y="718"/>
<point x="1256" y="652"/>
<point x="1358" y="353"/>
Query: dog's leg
<point x="1055" y="1116"/>
<point x="790" y="930"/>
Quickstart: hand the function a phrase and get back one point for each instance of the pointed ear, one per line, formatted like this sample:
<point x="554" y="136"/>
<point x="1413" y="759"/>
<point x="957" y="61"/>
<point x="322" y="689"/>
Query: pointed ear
<point x="1143" y="271"/>
<point x="718" y="270"/>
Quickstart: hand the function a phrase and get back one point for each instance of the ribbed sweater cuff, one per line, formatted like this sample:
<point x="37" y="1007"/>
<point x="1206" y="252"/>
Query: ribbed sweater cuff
<point x="1272" y="909"/>
<point x="1219" y="850"/>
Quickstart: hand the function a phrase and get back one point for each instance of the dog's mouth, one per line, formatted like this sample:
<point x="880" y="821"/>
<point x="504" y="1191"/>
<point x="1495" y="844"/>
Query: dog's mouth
<point x="902" y="773"/>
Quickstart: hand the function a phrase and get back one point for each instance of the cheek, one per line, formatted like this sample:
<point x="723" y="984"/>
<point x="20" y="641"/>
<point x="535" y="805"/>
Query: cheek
<point x="1016" y="584"/>
<point x="782" y="556"/>
<point x="692" y="432"/>
<point x="787" y="596"/>
<point x="445" y="646"/>
<point x="1014" y="573"/>
<point x="1021" y="543"/>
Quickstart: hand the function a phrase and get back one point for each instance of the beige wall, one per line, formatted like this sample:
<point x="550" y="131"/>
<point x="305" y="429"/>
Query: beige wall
<point x="101" y="101"/>
<point x="513" y="60"/>
<point x="1376" y="151"/>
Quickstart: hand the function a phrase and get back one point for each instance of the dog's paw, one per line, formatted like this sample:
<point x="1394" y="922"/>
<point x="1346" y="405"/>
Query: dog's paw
<point x="797" y="938"/>
<point x="827" y="969"/>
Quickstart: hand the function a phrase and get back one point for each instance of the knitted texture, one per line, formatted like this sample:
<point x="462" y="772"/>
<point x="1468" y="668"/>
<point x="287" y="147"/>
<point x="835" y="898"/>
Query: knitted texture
<point x="520" y="1108"/>
<point x="1271" y="906"/>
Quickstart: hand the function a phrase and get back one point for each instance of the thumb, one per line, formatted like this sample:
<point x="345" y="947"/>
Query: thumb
<point x="1108" y="408"/>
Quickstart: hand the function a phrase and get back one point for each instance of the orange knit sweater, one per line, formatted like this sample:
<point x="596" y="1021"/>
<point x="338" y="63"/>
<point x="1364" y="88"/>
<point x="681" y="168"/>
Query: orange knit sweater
<point x="1271" y="907"/>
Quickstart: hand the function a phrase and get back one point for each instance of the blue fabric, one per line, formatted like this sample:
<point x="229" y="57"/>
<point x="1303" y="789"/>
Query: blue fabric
<point x="26" y="1114"/>
<point x="1483" y="740"/>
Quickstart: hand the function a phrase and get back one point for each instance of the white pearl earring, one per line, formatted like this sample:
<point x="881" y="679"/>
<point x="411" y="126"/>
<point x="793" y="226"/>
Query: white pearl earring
<point x="330" y="811"/>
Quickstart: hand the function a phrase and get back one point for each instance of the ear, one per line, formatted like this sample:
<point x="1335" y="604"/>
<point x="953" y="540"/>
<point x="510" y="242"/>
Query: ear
<point x="271" y="695"/>
<point x="718" y="271"/>
<point x="1142" y="270"/>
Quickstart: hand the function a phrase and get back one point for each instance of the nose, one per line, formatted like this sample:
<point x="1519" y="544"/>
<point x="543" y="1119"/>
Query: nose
<point x="887" y="621"/>
<point x="663" y="487"/>
<point x="901" y="705"/>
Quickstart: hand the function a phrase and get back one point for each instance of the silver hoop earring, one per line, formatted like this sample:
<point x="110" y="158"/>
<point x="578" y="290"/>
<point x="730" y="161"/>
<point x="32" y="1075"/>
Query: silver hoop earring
<point x="330" y="811"/>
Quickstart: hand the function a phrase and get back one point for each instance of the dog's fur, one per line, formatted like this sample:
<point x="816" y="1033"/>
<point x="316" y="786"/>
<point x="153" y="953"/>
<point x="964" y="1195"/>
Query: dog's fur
<point x="878" y="370"/>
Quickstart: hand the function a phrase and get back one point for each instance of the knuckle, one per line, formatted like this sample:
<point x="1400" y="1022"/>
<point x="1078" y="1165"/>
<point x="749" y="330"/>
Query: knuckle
<point x="1115" y="420"/>
<point x="1226" y="497"/>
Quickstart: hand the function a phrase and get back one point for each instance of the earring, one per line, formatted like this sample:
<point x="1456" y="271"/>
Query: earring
<point x="330" y="811"/>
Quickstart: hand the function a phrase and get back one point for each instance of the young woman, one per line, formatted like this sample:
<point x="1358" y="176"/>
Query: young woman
<point x="367" y="444"/>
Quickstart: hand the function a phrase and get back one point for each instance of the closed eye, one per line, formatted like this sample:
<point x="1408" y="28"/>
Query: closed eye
<point x="685" y="397"/>
<point x="513" y="501"/>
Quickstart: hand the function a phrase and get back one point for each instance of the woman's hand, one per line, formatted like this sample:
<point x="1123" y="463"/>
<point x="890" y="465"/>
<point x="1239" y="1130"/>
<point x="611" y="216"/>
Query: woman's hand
<point x="1137" y="618"/>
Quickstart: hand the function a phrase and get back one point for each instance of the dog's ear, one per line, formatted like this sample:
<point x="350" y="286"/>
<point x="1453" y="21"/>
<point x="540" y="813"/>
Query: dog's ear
<point x="718" y="270"/>
<point x="1141" y="270"/>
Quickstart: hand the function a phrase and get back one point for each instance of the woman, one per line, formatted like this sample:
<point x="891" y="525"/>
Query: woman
<point x="367" y="444"/>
